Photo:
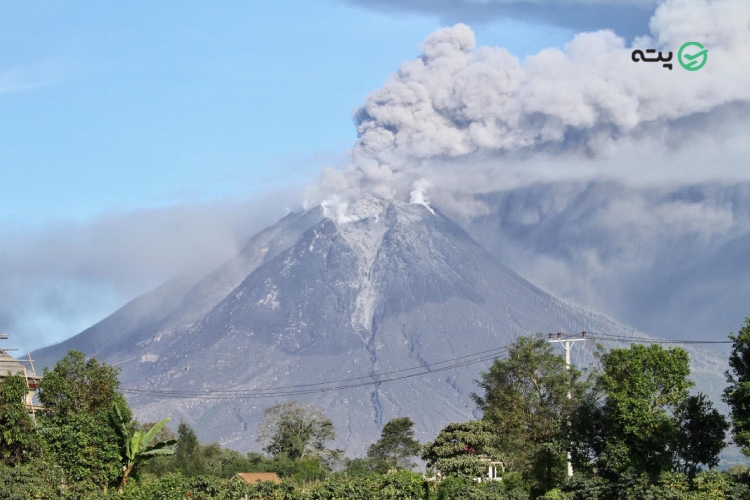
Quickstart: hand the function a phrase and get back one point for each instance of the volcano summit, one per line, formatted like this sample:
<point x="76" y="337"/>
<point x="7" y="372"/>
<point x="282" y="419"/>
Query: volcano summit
<point x="312" y="301"/>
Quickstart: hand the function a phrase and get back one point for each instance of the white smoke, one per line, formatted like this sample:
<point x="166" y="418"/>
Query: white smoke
<point x="418" y="195"/>
<point x="589" y="100"/>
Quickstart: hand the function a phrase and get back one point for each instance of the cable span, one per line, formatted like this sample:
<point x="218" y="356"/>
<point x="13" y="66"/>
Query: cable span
<point x="377" y="378"/>
<point x="301" y="389"/>
<point x="650" y="340"/>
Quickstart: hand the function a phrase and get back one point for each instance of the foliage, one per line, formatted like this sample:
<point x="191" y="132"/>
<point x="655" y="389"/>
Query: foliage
<point x="637" y="434"/>
<point x="555" y="494"/>
<point x="296" y="430"/>
<point x="701" y="434"/>
<point x="302" y="470"/>
<point x="526" y="401"/>
<point x="189" y="459"/>
<point x="396" y="446"/>
<point x="139" y="447"/>
<point x="708" y="485"/>
<point x="454" y="488"/>
<point x="79" y="423"/>
<point x="76" y="385"/>
<point x="223" y="462"/>
<point x="34" y="479"/>
<point x="362" y="467"/>
<point x="19" y="441"/>
<point x="460" y="448"/>
<point x="737" y="394"/>
<point x="647" y="423"/>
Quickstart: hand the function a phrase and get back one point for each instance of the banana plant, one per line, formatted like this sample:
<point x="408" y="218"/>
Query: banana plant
<point x="138" y="446"/>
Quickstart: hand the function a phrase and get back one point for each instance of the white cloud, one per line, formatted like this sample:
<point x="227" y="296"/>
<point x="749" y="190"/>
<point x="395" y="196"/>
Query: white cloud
<point x="32" y="76"/>
<point x="60" y="280"/>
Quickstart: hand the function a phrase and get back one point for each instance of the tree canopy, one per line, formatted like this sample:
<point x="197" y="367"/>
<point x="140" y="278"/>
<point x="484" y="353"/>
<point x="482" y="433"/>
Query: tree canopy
<point x="644" y="419"/>
<point x="461" y="449"/>
<point x="396" y="446"/>
<point x="526" y="403"/>
<point x="80" y="425"/>
<point x="737" y="393"/>
<point x="295" y="430"/>
<point x="19" y="441"/>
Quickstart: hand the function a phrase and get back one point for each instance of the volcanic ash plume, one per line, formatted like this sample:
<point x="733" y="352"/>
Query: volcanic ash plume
<point x="457" y="100"/>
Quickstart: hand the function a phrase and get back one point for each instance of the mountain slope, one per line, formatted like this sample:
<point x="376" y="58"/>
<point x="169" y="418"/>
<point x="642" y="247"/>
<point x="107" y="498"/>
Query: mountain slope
<point x="311" y="300"/>
<point x="669" y="260"/>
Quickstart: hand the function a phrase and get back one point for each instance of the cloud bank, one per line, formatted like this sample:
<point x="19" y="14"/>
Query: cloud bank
<point x="57" y="281"/>
<point x="589" y="101"/>
<point x="671" y="261"/>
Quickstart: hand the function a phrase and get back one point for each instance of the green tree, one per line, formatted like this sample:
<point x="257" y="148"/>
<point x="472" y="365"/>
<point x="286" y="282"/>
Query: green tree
<point x="189" y="459"/>
<point x="702" y="430"/>
<point x="647" y="422"/>
<point x="19" y="441"/>
<point x="462" y="449"/>
<point x="396" y="446"/>
<point x="737" y="394"/>
<point x="139" y="447"/>
<point x="296" y="430"/>
<point x="526" y="401"/>
<point x="79" y="423"/>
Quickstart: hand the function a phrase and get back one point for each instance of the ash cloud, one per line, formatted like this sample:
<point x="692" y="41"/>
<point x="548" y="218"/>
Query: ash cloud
<point x="669" y="260"/>
<point x="588" y="103"/>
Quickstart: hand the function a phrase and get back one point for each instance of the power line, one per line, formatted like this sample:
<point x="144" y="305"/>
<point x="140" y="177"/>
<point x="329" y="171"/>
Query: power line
<point x="333" y="386"/>
<point x="650" y="340"/>
<point x="428" y="368"/>
<point x="377" y="378"/>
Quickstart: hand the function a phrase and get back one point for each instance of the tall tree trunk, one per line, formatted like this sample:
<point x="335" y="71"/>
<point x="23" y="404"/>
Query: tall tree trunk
<point x="125" y="473"/>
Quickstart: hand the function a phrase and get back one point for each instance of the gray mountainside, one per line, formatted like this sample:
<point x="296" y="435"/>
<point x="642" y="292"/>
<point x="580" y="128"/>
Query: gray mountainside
<point x="310" y="301"/>
<point x="668" y="260"/>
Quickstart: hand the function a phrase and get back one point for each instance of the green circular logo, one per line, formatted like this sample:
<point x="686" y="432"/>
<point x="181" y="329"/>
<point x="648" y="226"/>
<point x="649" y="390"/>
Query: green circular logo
<point x="692" y="60"/>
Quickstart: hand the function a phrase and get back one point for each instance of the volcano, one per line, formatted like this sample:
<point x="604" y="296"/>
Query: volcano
<point x="369" y="319"/>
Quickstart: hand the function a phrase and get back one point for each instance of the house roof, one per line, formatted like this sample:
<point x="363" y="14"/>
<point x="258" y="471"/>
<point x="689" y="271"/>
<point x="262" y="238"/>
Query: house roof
<point x="8" y="364"/>
<point x="256" y="477"/>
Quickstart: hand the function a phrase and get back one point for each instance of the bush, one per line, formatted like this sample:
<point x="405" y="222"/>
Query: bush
<point x="402" y="485"/>
<point x="453" y="488"/>
<point x="555" y="494"/>
<point x="35" y="480"/>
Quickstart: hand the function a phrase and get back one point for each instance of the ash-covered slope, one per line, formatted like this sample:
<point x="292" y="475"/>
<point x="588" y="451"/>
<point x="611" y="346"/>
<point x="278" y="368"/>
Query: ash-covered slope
<point x="180" y="302"/>
<point x="311" y="300"/>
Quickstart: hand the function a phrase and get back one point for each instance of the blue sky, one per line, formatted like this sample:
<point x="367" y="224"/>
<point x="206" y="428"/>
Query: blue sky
<point x="140" y="139"/>
<point x="119" y="106"/>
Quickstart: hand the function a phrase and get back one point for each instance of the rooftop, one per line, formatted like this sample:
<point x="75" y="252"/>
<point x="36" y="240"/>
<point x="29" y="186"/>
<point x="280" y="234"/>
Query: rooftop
<point x="9" y="364"/>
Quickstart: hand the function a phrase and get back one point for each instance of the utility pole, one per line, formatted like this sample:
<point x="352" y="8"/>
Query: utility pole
<point x="566" y="344"/>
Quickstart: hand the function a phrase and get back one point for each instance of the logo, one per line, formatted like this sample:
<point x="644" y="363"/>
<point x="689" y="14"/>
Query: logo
<point x="692" y="56"/>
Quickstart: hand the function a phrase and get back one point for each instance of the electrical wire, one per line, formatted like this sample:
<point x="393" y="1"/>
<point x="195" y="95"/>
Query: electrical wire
<point x="302" y="389"/>
<point x="377" y="378"/>
<point x="649" y="340"/>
